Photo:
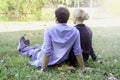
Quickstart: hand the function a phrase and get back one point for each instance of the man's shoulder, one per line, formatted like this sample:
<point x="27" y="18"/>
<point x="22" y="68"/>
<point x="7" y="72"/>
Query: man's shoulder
<point x="56" y="27"/>
<point x="74" y="28"/>
<point x="49" y="28"/>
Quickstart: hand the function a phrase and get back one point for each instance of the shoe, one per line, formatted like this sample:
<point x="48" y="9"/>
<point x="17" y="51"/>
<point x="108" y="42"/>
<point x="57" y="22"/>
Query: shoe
<point x="27" y="42"/>
<point x="21" y="41"/>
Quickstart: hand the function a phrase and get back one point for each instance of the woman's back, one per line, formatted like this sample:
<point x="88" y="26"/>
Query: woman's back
<point x="85" y="36"/>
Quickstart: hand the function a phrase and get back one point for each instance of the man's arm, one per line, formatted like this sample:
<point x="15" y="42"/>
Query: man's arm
<point x="80" y="60"/>
<point x="46" y="50"/>
<point x="78" y="51"/>
<point x="45" y="62"/>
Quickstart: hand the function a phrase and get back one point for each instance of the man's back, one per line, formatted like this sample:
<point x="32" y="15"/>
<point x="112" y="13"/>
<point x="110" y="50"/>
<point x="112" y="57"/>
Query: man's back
<point x="61" y="39"/>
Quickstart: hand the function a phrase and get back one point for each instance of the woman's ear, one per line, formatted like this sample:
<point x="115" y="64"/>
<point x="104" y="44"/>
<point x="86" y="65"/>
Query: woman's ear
<point x="56" y="20"/>
<point x="74" y="19"/>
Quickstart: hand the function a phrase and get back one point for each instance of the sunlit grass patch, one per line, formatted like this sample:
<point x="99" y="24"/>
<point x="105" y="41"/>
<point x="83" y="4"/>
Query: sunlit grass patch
<point x="14" y="66"/>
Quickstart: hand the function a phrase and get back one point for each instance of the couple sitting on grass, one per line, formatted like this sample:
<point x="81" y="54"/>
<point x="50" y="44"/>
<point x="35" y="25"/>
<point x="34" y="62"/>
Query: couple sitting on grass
<point x="62" y="42"/>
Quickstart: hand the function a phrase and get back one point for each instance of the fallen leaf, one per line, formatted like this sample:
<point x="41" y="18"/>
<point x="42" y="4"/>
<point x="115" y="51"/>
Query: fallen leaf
<point x="88" y="69"/>
<point x="1" y="61"/>
<point x="17" y="75"/>
<point x="71" y="69"/>
<point x="62" y="73"/>
<point x="112" y="78"/>
<point x="115" y="60"/>
<point x="81" y="75"/>
<point x="99" y="56"/>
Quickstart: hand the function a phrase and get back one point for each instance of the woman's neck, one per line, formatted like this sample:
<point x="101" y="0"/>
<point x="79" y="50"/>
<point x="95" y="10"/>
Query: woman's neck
<point x="79" y="23"/>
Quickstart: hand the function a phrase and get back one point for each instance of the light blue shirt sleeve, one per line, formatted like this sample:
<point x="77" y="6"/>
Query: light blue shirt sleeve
<point x="77" y="46"/>
<point x="47" y="48"/>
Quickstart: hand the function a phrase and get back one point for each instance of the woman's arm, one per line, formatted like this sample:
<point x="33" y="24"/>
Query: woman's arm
<point x="80" y="60"/>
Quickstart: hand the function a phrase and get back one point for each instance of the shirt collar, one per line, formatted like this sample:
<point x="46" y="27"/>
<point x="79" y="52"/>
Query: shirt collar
<point x="81" y="25"/>
<point x="62" y="24"/>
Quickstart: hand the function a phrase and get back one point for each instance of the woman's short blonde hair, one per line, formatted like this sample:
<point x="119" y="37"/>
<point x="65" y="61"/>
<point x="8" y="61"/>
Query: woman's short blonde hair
<point x="80" y="14"/>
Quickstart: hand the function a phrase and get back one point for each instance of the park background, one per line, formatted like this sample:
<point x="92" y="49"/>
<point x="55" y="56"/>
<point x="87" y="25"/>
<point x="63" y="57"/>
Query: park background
<point x="31" y="17"/>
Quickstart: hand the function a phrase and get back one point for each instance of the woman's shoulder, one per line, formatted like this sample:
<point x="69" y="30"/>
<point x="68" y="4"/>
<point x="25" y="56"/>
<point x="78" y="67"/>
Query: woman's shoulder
<point x="82" y="26"/>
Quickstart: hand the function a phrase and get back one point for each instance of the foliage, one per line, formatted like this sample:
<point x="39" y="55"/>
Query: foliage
<point x="22" y="8"/>
<point x="76" y="3"/>
<point x="6" y="5"/>
<point x="106" y="43"/>
<point x="31" y="10"/>
<point x="30" y="7"/>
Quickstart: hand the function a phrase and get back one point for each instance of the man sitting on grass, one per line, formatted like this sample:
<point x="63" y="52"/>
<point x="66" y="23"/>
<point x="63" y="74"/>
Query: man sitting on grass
<point x="58" y="41"/>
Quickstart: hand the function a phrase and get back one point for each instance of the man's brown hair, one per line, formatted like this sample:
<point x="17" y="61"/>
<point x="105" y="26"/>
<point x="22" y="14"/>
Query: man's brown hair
<point x="62" y="14"/>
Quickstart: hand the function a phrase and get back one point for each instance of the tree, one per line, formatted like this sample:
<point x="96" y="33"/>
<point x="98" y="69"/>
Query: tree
<point x="6" y="6"/>
<point x="30" y="7"/>
<point x="22" y="7"/>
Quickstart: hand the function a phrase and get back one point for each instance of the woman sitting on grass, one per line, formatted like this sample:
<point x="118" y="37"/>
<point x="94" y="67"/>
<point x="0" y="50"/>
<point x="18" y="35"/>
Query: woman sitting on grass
<point x="79" y="16"/>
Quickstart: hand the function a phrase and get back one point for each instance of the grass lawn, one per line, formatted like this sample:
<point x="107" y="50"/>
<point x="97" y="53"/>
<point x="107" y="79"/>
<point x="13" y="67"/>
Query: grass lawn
<point x="106" y="43"/>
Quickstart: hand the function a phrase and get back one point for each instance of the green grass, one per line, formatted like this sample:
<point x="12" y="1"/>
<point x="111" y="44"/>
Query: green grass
<point x="106" y="43"/>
